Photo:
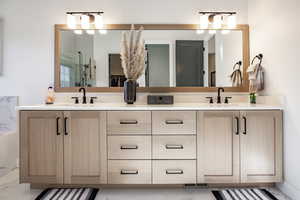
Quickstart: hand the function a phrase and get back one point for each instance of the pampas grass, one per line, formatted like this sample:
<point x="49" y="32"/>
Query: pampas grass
<point x="133" y="53"/>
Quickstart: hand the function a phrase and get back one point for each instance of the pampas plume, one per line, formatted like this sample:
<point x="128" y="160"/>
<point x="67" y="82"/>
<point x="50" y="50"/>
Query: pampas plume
<point x="133" y="53"/>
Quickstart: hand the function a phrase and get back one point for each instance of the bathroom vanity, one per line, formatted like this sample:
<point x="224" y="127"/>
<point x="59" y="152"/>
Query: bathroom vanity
<point x="120" y="144"/>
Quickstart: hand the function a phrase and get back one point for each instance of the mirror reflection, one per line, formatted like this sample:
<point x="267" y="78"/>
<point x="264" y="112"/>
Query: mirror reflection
<point x="175" y="58"/>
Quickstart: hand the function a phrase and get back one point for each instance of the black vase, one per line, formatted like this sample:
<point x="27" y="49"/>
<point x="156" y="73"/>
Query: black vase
<point x="130" y="91"/>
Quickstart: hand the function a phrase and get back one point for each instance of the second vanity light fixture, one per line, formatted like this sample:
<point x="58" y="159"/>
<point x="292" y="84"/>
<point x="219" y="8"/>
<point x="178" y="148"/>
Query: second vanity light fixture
<point x="87" y="20"/>
<point x="216" y="20"/>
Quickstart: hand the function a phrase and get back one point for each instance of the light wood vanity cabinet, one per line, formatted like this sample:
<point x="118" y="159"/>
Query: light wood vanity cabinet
<point x="261" y="146"/>
<point x="150" y="147"/>
<point x="41" y="147"/>
<point x="218" y="147"/>
<point x="63" y="147"/>
<point x="239" y="147"/>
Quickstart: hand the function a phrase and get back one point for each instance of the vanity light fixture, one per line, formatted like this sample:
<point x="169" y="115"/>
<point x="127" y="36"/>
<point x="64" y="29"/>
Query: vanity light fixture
<point x="216" y="20"/>
<point x="86" y="21"/>
<point x="71" y="21"/>
<point x="231" y="21"/>
<point x="203" y="21"/>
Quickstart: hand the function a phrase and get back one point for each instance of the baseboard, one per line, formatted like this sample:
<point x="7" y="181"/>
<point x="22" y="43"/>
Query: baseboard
<point x="289" y="190"/>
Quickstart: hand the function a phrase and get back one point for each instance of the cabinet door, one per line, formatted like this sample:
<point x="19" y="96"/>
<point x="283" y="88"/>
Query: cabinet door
<point x="41" y="147"/>
<point x="85" y="147"/>
<point x="218" y="147"/>
<point x="261" y="146"/>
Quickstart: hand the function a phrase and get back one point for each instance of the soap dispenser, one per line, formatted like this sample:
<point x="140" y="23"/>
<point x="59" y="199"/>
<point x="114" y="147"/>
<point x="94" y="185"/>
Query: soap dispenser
<point x="50" y="96"/>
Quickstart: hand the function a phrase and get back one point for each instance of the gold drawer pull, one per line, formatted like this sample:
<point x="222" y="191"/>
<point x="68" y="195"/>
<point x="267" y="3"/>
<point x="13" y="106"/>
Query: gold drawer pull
<point x="129" y="172"/>
<point x="174" y="171"/>
<point x="174" y="146"/>
<point x="128" y="147"/>
<point x="128" y="122"/>
<point x="174" y="122"/>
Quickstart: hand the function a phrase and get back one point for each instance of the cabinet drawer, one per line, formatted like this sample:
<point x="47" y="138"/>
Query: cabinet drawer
<point x="174" y="171"/>
<point x="174" y="147"/>
<point x="129" y="147"/>
<point x="174" y="122"/>
<point x="129" y="171"/>
<point x="129" y="122"/>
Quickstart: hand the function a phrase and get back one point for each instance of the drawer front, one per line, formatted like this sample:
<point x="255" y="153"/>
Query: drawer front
<point x="129" y="171"/>
<point x="174" y="122"/>
<point x="129" y="147"/>
<point x="129" y="122"/>
<point x="174" y="171"/>
<point x="174" y="147"/>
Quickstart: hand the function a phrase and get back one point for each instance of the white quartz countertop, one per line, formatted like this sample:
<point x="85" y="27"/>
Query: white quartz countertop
<point x="179" y="106"/>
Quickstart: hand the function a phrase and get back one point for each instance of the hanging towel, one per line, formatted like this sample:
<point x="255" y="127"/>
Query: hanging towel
<point x="236" y="75"/>
<point x="256" y="78"/>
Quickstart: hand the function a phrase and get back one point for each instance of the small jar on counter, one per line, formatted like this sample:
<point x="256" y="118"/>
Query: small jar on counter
<point x="50" y="96"/>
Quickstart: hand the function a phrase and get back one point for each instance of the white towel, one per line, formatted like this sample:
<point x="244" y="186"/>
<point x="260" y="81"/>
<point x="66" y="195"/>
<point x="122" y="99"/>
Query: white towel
<point x="256" y="78"/>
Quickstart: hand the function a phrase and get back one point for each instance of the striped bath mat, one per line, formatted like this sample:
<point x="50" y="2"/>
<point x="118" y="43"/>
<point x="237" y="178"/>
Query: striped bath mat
<point x="68" y="194"/>
<point x="244" y="194"/>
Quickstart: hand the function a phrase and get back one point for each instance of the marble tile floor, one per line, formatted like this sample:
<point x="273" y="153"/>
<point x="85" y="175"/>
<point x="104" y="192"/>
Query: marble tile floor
<point x="11" y="190"/>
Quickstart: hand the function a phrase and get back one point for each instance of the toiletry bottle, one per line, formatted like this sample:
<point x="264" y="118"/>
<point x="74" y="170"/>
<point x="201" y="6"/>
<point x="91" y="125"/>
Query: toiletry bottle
<point x="252" y="98"/>
<point x="50" y="96"/>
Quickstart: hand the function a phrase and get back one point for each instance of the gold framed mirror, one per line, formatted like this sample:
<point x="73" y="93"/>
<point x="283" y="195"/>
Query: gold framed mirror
<point x="72" y="62"/>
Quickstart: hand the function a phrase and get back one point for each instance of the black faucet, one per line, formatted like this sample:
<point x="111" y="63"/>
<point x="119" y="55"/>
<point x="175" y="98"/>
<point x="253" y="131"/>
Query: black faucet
<point x="219" y="95"/>
<point x="84" y="96"/>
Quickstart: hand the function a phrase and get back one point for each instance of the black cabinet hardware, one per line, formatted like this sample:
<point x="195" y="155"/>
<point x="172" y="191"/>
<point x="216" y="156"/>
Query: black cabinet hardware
<point x="65" y="120"/>
<point x="174" y="171"/>
<point x="245" y="125"/>
<point x="128" y="122"/>
<point x="174" y="122"/>
<point x="57" y="125"/>
<point x="237" y="125"/>
<point x="128" y="147"/>
<point x="129" y="172"/>
<point x="174" y="146"/>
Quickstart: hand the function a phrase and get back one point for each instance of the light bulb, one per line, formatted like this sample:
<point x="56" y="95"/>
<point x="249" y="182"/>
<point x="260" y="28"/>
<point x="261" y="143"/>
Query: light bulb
<point x="203" y="21"/>
<point x="85" y="21"/>
<point x="212" y="32"/>
<point x="99" y="22"/>
<point x="90" y="32"/>
<point x="217" y="21"/>
<point x="231" y="21"/>
<point x="103" y="31"/>
<point x="200" y="31"/>
<point x="224" y="32"/>
<point x="71" y="21"/>
<point x="78" y="32"/>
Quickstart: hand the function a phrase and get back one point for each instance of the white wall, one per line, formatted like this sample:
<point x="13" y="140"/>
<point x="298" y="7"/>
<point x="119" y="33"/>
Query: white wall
<point x="29" y="33"/>
<point x="275" y="31"/>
